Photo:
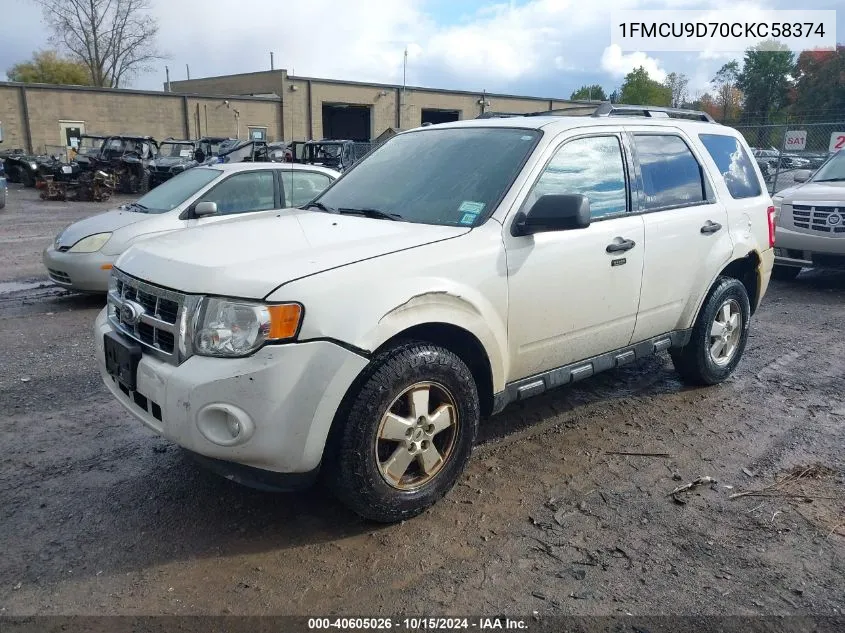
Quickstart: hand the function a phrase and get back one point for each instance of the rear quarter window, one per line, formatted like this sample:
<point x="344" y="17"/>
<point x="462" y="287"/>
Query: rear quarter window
<point x="734" y="165"/>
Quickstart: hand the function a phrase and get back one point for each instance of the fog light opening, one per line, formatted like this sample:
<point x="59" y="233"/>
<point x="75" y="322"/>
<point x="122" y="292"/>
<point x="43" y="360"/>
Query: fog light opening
<point x="224" y="424"/>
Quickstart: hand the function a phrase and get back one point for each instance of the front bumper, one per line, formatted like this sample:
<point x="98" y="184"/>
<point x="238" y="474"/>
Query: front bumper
<point x="795" y="248"/>
<point x="88" y="272"/>
<point x="284" y="398"/>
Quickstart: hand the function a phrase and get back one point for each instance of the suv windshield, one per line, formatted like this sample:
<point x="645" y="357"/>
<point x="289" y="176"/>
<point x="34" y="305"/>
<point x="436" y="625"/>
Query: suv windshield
<point x="833" y="170"/>
<point x="176" y="150"/>
<point x="170" y="194"/>
<point x="452" y="176"/>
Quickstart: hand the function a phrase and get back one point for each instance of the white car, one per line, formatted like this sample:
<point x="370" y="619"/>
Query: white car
<point x="82" y="255"/>
<point x="458" y="268"/>
<point x="811" y="220"/>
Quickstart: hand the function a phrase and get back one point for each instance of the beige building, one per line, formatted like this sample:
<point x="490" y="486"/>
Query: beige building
<point x="269" y="104"/>
<point x="315" y="108"/>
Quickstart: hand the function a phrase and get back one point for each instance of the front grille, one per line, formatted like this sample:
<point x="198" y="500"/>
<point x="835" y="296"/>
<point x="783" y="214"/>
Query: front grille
<point x="817" y="217"/>
<point x="149" y="314"/>
<point x="59" y="276"/>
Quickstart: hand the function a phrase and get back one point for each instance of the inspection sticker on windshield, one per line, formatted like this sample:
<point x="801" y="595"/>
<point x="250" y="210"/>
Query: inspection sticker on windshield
<point x="468" y="206"/>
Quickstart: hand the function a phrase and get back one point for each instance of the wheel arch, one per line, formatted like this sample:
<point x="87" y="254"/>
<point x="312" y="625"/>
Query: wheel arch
<point x="746" y="270"/>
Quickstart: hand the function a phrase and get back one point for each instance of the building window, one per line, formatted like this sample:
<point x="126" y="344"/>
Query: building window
<point x="258" y="133"/>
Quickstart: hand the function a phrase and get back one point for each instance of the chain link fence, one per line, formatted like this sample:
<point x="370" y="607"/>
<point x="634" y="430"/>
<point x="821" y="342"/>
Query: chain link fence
<point x="784" y="151"/>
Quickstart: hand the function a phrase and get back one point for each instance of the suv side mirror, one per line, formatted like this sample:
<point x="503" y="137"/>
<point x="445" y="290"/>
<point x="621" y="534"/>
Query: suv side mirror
<point x="203" y="209"/>
<point x="554" y="212"/>
<point x="801" y="175"/>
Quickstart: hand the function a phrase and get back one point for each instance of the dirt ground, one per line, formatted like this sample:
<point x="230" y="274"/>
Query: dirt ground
<point x="97" y="516"/>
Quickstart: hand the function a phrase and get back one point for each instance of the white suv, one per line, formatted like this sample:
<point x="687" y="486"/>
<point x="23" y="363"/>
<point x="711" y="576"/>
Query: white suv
<point x="457" y="268"/>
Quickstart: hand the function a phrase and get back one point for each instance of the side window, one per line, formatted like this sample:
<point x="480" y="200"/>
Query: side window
<point x="302" y="187"/>
<point x="244" y="192"/>
<point x="671" y="174"/>
<point x="733" y="161"/>
<point x="591" y="166"/>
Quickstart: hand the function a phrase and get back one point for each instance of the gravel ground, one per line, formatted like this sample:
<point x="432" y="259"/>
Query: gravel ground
<point x="100" y="517"/>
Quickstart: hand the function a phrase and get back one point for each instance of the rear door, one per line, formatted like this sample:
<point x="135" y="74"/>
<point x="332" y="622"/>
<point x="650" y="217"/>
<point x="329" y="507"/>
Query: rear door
<point x="686" y="228"/>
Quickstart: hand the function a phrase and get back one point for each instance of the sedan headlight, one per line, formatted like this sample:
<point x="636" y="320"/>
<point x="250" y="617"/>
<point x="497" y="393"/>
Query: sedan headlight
<point x="90" y="244"/>
<point x="232" y="328"/>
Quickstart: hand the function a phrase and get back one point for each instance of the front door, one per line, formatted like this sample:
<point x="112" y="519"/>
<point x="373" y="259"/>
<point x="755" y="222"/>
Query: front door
<point x="686" y="230"/>
<point x="569" y="297"/>
<point x="70" y="133"/>
<point x="242" y="192"/>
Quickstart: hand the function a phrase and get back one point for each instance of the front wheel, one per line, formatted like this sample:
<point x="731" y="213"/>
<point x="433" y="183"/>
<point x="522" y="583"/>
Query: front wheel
<point x="718" y="337"/>
<point x="406" y="436"/>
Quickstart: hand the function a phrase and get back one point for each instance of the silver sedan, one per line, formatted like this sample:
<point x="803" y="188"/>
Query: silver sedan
<point x="82" y="255"/>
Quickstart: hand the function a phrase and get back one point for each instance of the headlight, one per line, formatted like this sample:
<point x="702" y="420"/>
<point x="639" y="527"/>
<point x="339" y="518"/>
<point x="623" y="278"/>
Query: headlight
<point x="90" y="244"/>
<point x="33" y="166"/>
<point x="236" y="328"/>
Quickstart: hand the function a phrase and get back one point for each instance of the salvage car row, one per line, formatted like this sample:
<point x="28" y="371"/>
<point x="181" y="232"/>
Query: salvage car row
<point x="132" y="164"/>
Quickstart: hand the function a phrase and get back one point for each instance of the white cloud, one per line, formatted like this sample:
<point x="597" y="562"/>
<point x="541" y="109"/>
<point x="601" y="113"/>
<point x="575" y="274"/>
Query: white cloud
<point x="619" y="64"/>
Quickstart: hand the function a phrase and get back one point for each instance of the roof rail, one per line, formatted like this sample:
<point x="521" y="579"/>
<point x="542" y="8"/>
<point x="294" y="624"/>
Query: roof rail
<point x="618" y="109"/>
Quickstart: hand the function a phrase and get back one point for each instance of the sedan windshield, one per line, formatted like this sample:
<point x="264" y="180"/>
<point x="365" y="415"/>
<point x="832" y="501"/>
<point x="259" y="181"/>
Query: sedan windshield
<point x="170" y="194"/>
<point x="451" y="176"/>
<point x="833" y="170"/>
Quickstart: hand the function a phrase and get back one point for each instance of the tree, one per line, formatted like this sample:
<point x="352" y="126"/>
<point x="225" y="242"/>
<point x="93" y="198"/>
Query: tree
<point x="765" y="79"/>
<point x="728" y="96"/>
<point x="592" y="93"/>
<point x="46" y="67"/>
<point x="640" y="89"/>
<point x="114" y="39"/>
<point x="819" y="79"/>
<point x="677" y="84"/>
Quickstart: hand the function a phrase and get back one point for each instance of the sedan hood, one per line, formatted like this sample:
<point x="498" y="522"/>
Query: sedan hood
<point x="251" y="257"/>
<point x="107" y="222"/>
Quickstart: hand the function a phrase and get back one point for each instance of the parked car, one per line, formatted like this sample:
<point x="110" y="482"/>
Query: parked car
<point x="82" y="255"/>
<point x="456" y="269"/>
<point x="90" y="146"/>
<point x="340" y="155"/>
<point x="240" y="151"/>
<point x="174" y="156"/>
<point x="127" y="159"/>
<point x="3" y="187"/>
<point x="811" y="220"/>
<point x="21" y="167"/>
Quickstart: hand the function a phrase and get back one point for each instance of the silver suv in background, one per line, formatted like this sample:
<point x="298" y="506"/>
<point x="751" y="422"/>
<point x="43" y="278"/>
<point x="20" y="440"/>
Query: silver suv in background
<point x="811" y="220"/>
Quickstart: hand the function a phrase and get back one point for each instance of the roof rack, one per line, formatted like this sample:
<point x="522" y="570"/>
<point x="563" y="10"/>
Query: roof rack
<point x="617" y="109"/>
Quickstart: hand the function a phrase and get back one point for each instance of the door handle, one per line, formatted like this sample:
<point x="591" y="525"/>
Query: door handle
<point x="710" y="227"/>
<point x="620" y="246"/>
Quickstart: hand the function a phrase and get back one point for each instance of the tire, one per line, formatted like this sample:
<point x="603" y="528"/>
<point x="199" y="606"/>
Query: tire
<point x="785" y="273"/>
<point x="695" y="362"/>
<point x="357" y="464"/>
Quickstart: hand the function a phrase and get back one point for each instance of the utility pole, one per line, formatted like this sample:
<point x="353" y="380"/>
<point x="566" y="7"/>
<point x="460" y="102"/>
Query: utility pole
<point x="404" y="74"/>
<point x="188" y="68"/>
<point x="271" y="61"/>
<point x="167" y="75"/>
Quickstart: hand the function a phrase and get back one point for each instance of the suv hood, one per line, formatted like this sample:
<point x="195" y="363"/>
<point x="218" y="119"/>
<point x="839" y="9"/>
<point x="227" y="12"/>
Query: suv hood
<point x="251" y="257"/>
<point x="825" y="191"/>
<point x="107" y="222"/>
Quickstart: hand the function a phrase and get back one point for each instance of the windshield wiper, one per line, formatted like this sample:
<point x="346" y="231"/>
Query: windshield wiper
<point x="136" y="206"/>
<point x="371" y="213"/>
<point x="320" y="206"/>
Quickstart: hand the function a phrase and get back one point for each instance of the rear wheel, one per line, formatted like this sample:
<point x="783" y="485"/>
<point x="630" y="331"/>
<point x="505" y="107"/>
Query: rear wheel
<point x="785" y="273"/>
<point x="718" y="337"/>
<point x="406" y="436"/>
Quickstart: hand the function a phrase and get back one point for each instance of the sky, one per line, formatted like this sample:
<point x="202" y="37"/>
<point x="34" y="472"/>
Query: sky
<point x="545" y="48"/>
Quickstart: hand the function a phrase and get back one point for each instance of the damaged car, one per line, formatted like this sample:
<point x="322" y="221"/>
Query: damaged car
<point x="127" y="159"/>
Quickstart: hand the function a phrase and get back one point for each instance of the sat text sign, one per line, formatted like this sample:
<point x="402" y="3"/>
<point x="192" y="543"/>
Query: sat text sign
<point x="837" y="141"/>
<point x="795" y="140"/>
